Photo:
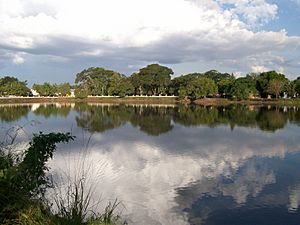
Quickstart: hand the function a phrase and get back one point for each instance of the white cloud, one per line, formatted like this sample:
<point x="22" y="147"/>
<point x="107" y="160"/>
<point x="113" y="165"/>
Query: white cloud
<point x="259" y="69"/>
<point x="169" y="31"/>
<point x="18" y="59"/>
<point x="253" y="11"/>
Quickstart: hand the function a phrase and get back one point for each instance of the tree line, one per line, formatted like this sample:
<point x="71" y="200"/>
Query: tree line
<point x="155" y="80"/>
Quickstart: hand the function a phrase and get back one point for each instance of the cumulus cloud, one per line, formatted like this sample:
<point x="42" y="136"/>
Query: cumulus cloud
<point x="138" y="31"/>
<point x="18" y="59"/>
<point x="253" y="11"/>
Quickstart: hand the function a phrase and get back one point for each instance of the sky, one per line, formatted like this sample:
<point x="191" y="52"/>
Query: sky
<point x="53" y="40"/>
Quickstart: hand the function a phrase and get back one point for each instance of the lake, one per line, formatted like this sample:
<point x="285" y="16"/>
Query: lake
<point x="169" y="164"/>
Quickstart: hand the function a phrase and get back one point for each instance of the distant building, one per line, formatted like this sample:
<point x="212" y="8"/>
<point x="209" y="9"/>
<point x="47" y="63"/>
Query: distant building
<point x="34" y="93"/>
<point x="72" y="93"/>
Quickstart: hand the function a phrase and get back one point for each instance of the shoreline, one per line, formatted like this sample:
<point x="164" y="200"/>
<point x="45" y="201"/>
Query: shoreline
<point x="148" y="100"/>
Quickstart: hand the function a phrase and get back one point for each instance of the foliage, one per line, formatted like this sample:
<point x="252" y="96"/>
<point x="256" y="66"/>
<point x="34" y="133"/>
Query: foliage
<point x="96" y="80"/>
<point x="216" y="76"/>
<point x="20" y="181"/>
<point x="12" y="86"/>
<point x="179" y="83"/>
<point x="275" y="87"/>
<point x="222" y="80"/>
<point x="63" y="89"/>
<point x="45" y="89"/>
<point x="199" y="88"/>
<point x="264" y="79"/>
<point x="153" y="79"/>
<point x="125" y="88"/>
<point x="297" y="85"/>
<point x="243" y="88"/>
<point x="23" y="182"/>
<point x="224" y="86"/>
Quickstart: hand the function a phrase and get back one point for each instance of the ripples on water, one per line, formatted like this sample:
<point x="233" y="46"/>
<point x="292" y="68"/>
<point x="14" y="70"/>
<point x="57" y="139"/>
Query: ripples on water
<point x="178" y="164"/>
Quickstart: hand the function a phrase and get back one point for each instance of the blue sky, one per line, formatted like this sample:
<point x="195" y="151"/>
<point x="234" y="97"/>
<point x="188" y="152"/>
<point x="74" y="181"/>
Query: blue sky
<point x="52" y="40"/>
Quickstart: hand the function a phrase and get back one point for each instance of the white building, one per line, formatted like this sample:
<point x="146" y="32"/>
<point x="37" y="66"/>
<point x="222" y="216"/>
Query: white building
<point x="34" y="93"/>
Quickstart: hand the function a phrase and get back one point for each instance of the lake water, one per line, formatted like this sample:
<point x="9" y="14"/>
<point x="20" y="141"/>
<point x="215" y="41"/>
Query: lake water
<point x="170" y="164"/>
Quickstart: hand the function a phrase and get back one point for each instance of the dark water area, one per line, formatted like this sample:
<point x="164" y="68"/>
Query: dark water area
<point x="167" y="164"/>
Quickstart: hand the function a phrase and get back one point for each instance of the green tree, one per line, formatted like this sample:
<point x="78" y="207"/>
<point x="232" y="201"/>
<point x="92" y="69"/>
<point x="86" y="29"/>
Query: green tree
<point x="114" y="83"/>
<point x="153" y="79"/>
<point x="64" y="89"/>
<point x="264" y="79"/>
<point x="224" y="86"/>
<point x="45" y="89"/>
<point x="217" y="76"/>
<point x="199" y="88"/>
<point x="178" y="84"/>
<point x="94" y="81"/>
<point x="12" y="86"/>
<point x="21" y="182"/>
<point x="125" y="87"/>
<point x="297" y="85"/>
<point x="243" y="88"/>
<point x="275" y="87"/>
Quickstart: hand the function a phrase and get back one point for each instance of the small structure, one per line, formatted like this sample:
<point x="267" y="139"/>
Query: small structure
<point x="72" y="92"/>
<point x="34" y="93"/>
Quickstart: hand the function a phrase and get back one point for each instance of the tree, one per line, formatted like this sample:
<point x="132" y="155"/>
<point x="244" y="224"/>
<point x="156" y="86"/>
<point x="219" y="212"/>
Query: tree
<point x="12" y="86"/>
<point x="275" y="87"/>
<point x="265" y="78"/>
<point x="64" y="89"/>
<point x="224" y="86"/>
<point x="216" y="76"/>
<point x="113" y="84"/>
<point x="45" y="89"/>
<point x="94" y="80"/>
<point x="153" y="79"/>
<point x="297" y="85"/>
<point x="178" y="84"/>
<point x="243" y="88"/>
<point x="199" y="88"/>
<point x="125" y="87"/>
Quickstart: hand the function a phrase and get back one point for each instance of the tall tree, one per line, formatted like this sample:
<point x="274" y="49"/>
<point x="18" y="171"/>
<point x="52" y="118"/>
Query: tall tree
<point x="275" y="87"/>
<point x="94" y="80"/>
<point x="113" y="84"/>
<point x="264" y="79"/>
<point x="154" y="79"/>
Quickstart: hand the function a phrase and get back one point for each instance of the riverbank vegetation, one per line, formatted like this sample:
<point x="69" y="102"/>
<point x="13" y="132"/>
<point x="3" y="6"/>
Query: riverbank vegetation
<point x="24" y="182"/>
<point x="155" y="80"/>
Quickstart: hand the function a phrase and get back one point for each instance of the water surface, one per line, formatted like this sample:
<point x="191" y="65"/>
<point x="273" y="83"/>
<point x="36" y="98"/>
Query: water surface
<point x="177" y="164"/>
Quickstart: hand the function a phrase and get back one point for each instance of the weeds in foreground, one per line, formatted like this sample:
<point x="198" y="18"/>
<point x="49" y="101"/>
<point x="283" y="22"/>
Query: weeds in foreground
<point x="23" y="184"/>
